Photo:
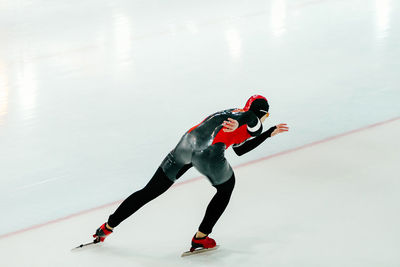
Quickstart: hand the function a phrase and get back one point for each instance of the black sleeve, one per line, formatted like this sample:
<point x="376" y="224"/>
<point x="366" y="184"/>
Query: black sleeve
<point x="250" y="144"/>
<point x="254" y="125"/>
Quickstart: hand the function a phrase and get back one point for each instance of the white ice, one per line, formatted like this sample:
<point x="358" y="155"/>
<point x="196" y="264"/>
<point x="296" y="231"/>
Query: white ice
<point x="93" y="95"/>
<point x="323" y="205"/>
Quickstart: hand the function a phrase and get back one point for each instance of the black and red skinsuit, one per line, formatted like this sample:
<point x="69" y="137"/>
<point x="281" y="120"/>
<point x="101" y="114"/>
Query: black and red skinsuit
<point x="203" y="147"/>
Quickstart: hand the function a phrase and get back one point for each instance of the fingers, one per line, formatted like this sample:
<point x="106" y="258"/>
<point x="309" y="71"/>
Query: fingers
<point x="280" y="128"/>
<point x="230" y="125"/>
<point x="231" y="122"/>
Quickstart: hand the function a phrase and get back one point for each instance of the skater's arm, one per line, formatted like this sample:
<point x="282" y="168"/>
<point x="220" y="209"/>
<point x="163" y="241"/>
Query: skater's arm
<point x="250" y="144"/>
<point x="254" y="126"/>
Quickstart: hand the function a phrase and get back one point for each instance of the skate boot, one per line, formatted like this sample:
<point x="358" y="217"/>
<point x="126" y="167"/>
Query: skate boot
<point x="102" y="232"/>
<point x="204" y="242"/>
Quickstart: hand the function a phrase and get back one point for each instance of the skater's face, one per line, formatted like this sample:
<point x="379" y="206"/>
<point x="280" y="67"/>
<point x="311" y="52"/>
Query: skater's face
<point x="264" y="117"/>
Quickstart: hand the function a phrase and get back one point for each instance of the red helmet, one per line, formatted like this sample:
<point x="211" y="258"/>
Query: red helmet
<point x="258" y="104"/>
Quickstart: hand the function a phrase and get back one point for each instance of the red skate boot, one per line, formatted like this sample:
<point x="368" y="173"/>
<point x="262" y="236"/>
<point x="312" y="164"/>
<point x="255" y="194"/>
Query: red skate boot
<point x="201" y="245"/>
<point x="204" y="242"/>
<point x="102" y="233"/>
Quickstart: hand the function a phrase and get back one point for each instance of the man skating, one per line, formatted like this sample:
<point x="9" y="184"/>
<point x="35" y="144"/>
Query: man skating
<point x="203" y="147"/>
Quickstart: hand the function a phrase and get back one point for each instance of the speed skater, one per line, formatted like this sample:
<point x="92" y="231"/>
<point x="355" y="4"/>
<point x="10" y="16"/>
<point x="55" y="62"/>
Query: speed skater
<point x="203" y="147"/>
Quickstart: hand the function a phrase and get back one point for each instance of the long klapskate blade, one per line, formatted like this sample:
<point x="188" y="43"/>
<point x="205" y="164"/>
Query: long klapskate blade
<point x="197" y="251"/>
<point x="85" y="245"/>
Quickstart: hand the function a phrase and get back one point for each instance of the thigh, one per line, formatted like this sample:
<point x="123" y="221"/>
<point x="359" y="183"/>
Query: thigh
<point x="227" y="187"/>
<point x="158" y="184"/>
<point x="178" y="161"/>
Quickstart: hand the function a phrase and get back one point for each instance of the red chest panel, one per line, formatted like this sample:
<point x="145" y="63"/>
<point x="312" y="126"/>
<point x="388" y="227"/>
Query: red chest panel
<point x="236" y="137"/>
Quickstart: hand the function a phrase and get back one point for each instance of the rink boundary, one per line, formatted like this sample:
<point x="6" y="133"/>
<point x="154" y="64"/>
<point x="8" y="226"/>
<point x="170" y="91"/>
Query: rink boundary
<point x="201" y="177"/>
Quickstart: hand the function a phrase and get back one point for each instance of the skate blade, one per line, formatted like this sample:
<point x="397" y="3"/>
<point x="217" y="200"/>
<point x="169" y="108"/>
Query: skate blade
<point x="197" y="251"/>
<point x="85" y="245"/>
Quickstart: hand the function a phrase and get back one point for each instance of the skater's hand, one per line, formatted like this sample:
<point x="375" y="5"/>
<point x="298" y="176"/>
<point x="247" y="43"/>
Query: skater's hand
<point x="230" y="125"/>
<point x="280" y="128"/>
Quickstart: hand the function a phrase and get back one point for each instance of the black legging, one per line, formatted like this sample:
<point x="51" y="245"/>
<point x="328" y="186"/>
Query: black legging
<point x="158" y="185"/>
<point x="217" y="205"/>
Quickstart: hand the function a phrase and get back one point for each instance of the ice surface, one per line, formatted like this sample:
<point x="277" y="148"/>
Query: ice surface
<point x="93" y="95"/>
<point x="332" y="204"/>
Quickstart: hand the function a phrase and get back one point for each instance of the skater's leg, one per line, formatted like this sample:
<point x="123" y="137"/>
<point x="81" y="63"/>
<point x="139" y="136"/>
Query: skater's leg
<point x="216" y="207"/>
<point x="157" y="185"/>
<point x="183" y="170"/>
